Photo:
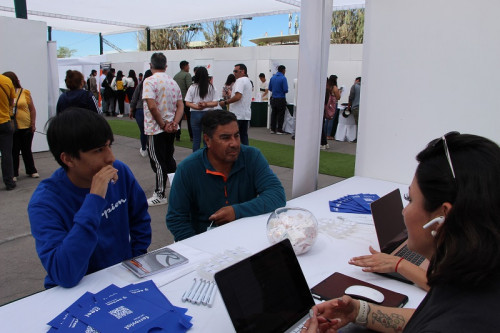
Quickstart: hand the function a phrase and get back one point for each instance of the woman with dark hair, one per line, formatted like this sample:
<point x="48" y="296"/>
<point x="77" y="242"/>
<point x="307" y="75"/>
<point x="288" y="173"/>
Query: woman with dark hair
<point x="119" y="85"/>
<point x="109" y="94"/>
<point x="453" y="219"/>
<point x="25" y="115"/>
<point x="132" y="83"/>
<point x="331" y="104"/>
<point x="137" y="112"/>
<point x="200" y="97"/>
<point x="76" y="96"/>
<point x="227" y="88"/>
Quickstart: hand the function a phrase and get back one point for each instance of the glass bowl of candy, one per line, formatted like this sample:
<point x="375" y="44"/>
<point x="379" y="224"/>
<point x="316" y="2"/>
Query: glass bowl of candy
<point x="297" y="224"/>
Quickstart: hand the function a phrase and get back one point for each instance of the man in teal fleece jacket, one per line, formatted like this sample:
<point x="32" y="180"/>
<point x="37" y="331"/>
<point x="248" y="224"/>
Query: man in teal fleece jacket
<point x="221" y="183"/>
<point x="91" y="213"/>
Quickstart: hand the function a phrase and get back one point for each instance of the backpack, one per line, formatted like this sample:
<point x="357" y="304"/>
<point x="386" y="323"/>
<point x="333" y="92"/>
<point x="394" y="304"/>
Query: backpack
<point x="119" y="85"/>
<point x="330" y="107"/>
<point x="88" y="84"/>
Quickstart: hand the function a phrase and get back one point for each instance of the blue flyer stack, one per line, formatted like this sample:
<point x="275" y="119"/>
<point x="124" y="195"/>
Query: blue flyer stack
<point x="135" y="308"/>
<point x="353" y="203"/>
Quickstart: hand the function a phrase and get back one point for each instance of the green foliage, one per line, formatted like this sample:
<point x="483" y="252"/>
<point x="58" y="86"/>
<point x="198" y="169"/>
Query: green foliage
<point x="65" y="52"/>
<point x="348" y="26"/>
<point x="330" y="163"/>
<point x="174" y="38"/>
<point x="222" y="34"/>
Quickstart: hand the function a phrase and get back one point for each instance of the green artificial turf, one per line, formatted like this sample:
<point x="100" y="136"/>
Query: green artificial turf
<point x="330" y="163"/>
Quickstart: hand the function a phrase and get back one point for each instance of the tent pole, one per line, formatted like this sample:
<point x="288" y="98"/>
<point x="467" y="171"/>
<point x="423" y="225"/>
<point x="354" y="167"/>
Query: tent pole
<point x="21" y="10"/>
<point x="315" y="25"/>
<point x="148" y="39"/>
<point x="49" y="33"/>
<point x="101" y="47"/>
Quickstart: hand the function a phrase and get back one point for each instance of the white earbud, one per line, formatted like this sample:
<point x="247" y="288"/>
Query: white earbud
<point x="439" y="219"/>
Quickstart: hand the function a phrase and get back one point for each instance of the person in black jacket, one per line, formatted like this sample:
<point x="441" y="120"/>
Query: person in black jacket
<point x="76" y="96"/>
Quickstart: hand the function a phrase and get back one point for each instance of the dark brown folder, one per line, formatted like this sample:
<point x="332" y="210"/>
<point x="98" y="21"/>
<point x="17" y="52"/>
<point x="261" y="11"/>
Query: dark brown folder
<point x="335" y="285"/>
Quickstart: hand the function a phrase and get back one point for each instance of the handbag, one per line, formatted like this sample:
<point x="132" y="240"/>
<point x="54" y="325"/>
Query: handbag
<point x="14" y="112"/>
<point x="330" y="107"/>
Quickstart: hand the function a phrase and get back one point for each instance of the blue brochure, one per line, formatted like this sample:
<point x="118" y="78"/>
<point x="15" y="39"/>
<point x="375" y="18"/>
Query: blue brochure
<point x="138" y="307"/>
<point x="353" y="203"/>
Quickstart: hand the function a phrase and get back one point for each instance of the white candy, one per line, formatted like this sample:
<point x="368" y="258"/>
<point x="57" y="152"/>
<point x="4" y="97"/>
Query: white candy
<point x="302" y="230"/>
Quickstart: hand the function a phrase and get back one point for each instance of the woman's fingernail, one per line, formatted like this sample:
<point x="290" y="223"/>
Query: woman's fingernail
<point x="311" y="313"/>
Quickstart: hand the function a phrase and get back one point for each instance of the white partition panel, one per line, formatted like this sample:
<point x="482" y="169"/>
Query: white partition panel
<point x="24" y="52"/>
<point x="429" y="67"/>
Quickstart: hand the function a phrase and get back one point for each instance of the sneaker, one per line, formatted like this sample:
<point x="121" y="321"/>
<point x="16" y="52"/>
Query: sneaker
<point x="119" y="116"/>
<point x="272" y="132"/>
<point x="34" y="175"/>
<point x="280" y="132"/>
<point x="143" y="152"/>
<point x="14" y="179"/>
<point x="156" y="200"/>
<point x="323" y="147"/>
<point x="10" y="187"/>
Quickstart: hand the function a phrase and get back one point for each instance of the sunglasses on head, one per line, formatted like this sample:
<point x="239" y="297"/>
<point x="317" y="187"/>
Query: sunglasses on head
<point x="446" y="150"/>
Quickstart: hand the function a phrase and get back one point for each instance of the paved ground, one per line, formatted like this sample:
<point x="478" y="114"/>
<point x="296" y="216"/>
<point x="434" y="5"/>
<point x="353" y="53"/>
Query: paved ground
<point x="22" y="273"/>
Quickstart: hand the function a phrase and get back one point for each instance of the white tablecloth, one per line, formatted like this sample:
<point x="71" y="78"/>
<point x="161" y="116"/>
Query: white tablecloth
<point x="347" y="128"/>
<point x="327" y="256"/>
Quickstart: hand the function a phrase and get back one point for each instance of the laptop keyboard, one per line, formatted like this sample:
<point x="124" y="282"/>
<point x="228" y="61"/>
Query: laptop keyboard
<point x="299" y="326"/>
<point x="410" y="256"/>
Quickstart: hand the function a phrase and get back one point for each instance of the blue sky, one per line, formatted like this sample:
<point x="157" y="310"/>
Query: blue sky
<point x="88" y="44"/>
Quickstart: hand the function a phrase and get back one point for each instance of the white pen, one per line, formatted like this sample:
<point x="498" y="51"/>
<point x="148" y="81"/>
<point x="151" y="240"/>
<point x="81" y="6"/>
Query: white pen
<point x="187" y="292"/>
<point x="202" y="293"/>
<point x="193" y="292"/>
<point x="207" y="293"/>
<point x="194" y="299"/>
<point x="212" y="296"/>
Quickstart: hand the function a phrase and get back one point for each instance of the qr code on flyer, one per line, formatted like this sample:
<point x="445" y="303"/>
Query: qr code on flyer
<point x="120" y="312"/>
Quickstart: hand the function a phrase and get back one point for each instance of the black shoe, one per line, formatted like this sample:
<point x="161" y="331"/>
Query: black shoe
<point x="11" y="186"/>
<point x="293" y="137"/>
<point x="177" y="139"/>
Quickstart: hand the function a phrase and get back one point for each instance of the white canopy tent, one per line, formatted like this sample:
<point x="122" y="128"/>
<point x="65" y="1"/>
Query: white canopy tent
<point x="96" y="16"/>
<point x="118" y="16"/>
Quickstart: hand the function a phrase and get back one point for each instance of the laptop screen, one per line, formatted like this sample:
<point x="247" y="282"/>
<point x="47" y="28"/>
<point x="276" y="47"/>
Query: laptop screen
<point x="388" y="219"/>
<point x="266" y="292"/>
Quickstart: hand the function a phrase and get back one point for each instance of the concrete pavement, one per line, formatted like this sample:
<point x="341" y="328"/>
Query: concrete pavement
<point x="22" y="274"/>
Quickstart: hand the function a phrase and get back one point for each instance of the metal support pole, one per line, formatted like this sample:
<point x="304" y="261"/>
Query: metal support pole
<point x="49" y="33"/>
<point x="21" y="9"/>
<point x="101" y="46"/>
<point x="148" y="39"/>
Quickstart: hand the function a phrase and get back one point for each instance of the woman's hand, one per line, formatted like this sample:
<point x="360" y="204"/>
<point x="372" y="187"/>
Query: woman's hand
<point x="376" y="262"/>
<point x="331" y="315"/>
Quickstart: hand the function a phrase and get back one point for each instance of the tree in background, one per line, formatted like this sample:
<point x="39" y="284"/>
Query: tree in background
<point x="219" y="34"/>
<point x="65" y="52"/>
<point x="174" y="38"/>
<point x="348" y="26"/>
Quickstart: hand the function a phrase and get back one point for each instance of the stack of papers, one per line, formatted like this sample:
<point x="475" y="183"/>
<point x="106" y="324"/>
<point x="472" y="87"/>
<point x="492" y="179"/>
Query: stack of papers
<point x="353" y="203"/>
<point x="134" y="308"/>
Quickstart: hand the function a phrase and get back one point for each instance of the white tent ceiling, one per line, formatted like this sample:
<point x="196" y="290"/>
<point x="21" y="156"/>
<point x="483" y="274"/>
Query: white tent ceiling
<point x="118" y="16"/>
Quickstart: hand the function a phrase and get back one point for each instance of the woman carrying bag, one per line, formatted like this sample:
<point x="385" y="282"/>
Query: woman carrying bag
<point x="25" y="118"/>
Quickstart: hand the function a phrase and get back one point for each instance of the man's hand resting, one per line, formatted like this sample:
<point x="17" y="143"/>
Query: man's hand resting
<point x="223" y="215"/>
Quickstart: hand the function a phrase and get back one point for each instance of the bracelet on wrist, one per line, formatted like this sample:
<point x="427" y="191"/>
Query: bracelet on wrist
<point x="362" y="318"/>
<point x="396" y="268"/>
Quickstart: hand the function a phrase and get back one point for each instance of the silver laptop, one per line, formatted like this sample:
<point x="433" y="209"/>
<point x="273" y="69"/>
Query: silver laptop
<point x="266" y="292"/>
<point x="387" y="213"/>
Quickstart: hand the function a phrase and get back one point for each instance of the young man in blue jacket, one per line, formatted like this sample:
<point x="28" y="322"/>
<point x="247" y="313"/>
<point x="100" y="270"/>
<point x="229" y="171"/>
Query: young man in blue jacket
<point x="91" y="213"/>
<point x="221" y="183"/>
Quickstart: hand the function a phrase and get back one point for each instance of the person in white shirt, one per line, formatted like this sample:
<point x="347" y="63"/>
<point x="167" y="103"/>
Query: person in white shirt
<point x="200" y="97"/>
<point x="263" y="88"/>
<point x="163" y="110"/>
<point x="241" y="100"/>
